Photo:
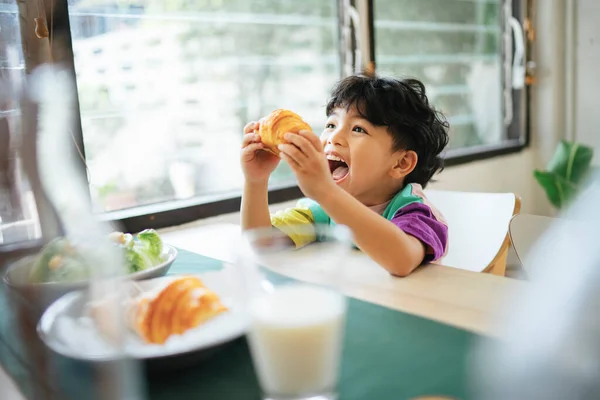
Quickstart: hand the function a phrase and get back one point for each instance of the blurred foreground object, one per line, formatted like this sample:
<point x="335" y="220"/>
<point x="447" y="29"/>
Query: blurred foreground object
<point x="50" y="160"/>
<point x="550" y="333"/>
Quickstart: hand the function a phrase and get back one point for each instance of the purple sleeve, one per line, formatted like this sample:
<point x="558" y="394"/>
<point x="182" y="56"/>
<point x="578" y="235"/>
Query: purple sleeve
<point x="417" y="219"/>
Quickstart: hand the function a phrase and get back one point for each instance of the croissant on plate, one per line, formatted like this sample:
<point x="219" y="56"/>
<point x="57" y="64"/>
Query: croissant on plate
<point x="278" y="123"/>
<point x="183" y="304"/>
<point x="180" y="305"/>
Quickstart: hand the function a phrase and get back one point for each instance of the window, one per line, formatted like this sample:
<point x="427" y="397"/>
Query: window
<point x="18" y="213"/>
<point x="457" y="48"/>
<point x="166" y="87"/>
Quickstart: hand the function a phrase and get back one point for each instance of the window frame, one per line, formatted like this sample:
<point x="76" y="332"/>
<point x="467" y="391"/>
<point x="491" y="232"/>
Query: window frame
<point x="177" y="212"/>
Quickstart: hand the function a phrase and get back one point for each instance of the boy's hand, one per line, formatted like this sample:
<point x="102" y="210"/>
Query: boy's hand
<point x="304" y="154"/>
<point x="257" y="164"/>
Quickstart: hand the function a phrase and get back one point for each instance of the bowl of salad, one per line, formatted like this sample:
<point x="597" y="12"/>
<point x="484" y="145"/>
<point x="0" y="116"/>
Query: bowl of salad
<point x="60" y="266"/>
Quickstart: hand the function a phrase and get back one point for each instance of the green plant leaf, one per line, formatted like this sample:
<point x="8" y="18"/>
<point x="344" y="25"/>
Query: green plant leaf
<point x="571" y="161"/>
<point x="559" y="190"/>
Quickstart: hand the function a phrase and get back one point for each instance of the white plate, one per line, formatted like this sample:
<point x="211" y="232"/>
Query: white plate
<point x="66" y="328"/>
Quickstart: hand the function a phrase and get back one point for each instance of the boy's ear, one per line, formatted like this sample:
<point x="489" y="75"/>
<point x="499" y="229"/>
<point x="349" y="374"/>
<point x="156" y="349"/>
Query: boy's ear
<point x="406" y="161"/>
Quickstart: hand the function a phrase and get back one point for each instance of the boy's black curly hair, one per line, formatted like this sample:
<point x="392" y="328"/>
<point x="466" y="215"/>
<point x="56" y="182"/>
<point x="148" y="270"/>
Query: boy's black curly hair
<point x="402" y="106"/>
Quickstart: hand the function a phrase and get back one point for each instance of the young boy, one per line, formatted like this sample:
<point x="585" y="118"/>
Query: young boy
<point x="380" y="146"/>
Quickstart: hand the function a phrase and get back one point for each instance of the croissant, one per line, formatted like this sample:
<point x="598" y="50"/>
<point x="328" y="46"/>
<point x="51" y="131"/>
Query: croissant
<point x="183" y="304"/>
<point x="278" y="123"/>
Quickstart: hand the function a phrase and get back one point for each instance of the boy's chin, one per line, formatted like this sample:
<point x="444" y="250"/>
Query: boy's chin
<point x="339" y="183"/>
<point x="344" y="186"/>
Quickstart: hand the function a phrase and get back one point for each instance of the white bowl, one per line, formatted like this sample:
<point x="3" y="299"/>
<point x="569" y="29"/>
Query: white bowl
<point x="41" y="295"/>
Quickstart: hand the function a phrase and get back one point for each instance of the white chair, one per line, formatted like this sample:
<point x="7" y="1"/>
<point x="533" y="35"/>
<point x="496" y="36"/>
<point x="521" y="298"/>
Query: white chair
<point x="477" y="223"/>
<point x="477" y="228"/>
<point x="525" y="230"/>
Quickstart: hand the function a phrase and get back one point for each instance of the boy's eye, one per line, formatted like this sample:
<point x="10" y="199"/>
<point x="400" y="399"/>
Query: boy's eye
<point x="330" y="126"/>
<point x="359" y="129"/>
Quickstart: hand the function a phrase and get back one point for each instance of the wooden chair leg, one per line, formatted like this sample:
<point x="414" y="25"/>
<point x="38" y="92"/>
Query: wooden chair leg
<point x="499" y="267"/>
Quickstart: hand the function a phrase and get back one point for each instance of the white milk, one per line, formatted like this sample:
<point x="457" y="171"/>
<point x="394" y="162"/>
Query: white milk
<point x="296" y="337"/>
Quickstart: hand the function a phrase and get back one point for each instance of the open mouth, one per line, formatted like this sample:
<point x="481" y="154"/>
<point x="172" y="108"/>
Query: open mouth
<point x="338" y="167"/>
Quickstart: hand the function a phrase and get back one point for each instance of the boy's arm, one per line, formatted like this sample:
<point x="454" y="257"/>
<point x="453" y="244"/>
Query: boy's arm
<point x="393" y="249"/>
<point x="296" y="223"/>
<point x="255" y="206"/>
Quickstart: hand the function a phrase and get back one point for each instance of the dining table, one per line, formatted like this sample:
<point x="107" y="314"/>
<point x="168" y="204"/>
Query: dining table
<point x="406" y="338"/>
<point x="457" y="297"/>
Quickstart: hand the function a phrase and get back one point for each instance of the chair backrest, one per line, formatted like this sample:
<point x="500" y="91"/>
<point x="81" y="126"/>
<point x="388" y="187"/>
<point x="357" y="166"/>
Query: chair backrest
<point x="525" y="230"/>
<point x="477" y="227"/>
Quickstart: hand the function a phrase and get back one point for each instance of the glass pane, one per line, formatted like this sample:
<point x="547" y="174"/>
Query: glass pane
<point x="455" y="48"/>
<point x="18" y="213"/>
<point x="166" y="88"/>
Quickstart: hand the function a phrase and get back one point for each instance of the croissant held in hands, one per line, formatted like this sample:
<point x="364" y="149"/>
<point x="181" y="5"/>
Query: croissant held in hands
<point x="275" y="125"/>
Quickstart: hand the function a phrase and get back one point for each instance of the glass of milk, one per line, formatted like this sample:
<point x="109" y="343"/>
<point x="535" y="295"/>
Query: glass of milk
<point x="296" y="310"/>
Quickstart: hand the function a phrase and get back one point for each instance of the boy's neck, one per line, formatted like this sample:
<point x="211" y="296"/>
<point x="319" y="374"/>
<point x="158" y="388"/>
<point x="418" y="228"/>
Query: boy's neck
<point x="380" y="208"/>
<point x="385" y="196"/>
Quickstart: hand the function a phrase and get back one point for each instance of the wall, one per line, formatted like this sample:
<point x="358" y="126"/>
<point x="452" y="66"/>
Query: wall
<point x="586" y="69"/>
<point x="512" y="173"/>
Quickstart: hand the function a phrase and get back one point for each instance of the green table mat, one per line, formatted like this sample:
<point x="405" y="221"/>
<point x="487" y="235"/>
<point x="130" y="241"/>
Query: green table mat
<point x="387" y="355"/>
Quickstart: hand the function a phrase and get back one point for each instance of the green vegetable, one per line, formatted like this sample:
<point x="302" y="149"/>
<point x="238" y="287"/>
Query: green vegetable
<point x="59" y="262"/>
<point x="152" y="244"/>
<point x="40" y="271"/>
<point x="73" y="269"/>
<point x="136" y="259"/>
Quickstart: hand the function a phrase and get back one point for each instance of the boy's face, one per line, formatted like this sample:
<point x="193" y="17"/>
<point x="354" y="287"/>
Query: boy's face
<point x="360" y="157"/>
